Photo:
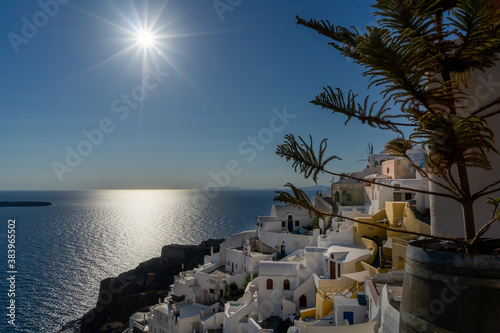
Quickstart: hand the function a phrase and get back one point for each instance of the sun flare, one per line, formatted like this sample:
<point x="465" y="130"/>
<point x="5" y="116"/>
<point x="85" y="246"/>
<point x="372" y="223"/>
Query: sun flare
<point x="145" y="38"/>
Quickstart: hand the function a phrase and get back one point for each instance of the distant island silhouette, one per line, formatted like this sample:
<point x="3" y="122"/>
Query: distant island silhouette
<point x="24" y="203"/>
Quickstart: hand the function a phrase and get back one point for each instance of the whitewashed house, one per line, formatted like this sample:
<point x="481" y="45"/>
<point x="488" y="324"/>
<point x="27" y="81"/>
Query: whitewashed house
<point x="342" y="259"/>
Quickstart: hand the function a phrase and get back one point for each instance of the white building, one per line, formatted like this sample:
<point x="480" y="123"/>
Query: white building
<point x="339" y="260"/>
<point x="348" y="311"/>
<point x="286" y="229"/>
<point x="245" y="259"/>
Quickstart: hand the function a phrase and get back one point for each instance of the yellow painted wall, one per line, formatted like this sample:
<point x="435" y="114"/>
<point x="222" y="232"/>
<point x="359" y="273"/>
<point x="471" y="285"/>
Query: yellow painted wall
<point x="369" y="231"/>
<point x="323" y="307"/>
<point x="399" y="245"/>
<point x="308" y="313"/>
<point x="394" y="211"/>
<point x="364" y="266"/>
<point x="410" y="222"/>
<point x="368" y="244"/>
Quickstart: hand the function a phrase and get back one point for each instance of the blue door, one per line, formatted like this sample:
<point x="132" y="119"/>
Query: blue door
<point x="349" y="315"/>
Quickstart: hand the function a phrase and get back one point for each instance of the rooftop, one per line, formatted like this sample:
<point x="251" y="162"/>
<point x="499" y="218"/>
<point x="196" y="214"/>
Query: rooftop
<point x="277" y="268"/>
<point x="347" y="253"/>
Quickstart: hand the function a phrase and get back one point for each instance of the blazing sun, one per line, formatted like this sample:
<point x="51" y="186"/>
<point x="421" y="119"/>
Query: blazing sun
<point x="145" y="39"/>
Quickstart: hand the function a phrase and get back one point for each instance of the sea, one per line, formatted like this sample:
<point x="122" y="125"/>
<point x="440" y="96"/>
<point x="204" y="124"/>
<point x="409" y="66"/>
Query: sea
<point x="63" y="251"/>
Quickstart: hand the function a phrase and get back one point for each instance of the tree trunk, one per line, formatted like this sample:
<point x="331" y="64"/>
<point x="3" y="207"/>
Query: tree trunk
<point x="467" y="203"/>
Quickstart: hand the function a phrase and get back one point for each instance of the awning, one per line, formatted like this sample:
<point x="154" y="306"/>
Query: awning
<point x="358" y="276"/>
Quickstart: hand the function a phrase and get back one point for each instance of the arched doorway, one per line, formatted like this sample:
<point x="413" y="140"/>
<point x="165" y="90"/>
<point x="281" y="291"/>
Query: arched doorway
<point x="303" y="301"/>
<point x="286" y="284"/>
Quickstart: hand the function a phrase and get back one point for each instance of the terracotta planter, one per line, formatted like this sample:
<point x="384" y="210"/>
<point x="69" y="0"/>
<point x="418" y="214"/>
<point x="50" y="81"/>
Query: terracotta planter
<point x="449" y="292"/>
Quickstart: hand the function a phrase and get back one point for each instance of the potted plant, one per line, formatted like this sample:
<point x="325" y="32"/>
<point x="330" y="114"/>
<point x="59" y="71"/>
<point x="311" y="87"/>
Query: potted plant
<point x="423" y="55"/>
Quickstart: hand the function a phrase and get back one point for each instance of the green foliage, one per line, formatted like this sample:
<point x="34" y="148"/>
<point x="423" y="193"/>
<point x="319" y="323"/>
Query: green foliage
<point x="298" y="198"/>
<point x="421" y="54"/>
<point x="304" y="156"/>
<point x="454" y="140"/>
<point x="315" y="223"/>
<point x="495" y="202"/>
<point x="233" y="286"/>
<point x="247" y="280"/>
<point x="233" y="293"/>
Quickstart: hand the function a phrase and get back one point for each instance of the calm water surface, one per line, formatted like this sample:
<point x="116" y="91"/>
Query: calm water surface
<point x="65" y="250"/>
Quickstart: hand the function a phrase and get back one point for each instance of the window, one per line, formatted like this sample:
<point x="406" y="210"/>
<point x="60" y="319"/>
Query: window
<point x="283" y="224"/>
<point x="297" y="223"/>
<point x="286" y="284"/>
<point x="332" y="256"/>
<point x="211" y="291"/>
<point x="269" y="284"/>
<point x="338" y="269"/>
<point x="349" y="197"/>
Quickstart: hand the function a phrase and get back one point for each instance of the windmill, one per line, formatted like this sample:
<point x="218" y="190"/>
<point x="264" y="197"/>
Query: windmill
<point x="369" y="152"/>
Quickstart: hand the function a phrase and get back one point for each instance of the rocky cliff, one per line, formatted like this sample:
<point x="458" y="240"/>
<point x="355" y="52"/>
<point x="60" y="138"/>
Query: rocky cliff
<point x="139" y="288"/>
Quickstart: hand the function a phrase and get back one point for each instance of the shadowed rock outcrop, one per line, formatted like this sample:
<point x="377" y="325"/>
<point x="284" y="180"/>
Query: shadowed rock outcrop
<point x="139" y="288"/>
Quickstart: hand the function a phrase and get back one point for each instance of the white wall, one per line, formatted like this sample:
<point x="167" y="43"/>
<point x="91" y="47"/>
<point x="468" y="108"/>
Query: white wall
<point x="293" y="242"/>
<point x="234" y="261"/>
<point x="342" y="305"/>
<point x="239" y="279"/>
<point x="314" y="259"/>
<point x="337" y="238"/>
<point x="214" y="322"/>
<point x="307" y="288"/>
<point x="389" y="322"/>
<point x="446" y="213"/>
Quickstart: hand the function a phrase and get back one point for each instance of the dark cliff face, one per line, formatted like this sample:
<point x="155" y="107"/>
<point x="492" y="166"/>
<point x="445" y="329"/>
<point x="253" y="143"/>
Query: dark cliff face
<point x="122" y="296"/>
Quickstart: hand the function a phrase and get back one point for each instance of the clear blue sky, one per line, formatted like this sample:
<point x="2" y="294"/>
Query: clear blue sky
<point x="217" y="77"/>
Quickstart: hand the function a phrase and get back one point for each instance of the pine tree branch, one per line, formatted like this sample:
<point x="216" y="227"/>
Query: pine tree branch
<point x="336" y="102"/>
<point x="396" y="229"/>
<point x="344" y="39"/>
<point x="399" y="148"/>
<point x="483" y="230"/>
<point x="485" y="107"/>
<point x="304" y="156"/>
<point x="486" y="190"/>
<point x="309" y="163"/>
<point x="300" y="200"/>
<point x="446" y="195"/>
